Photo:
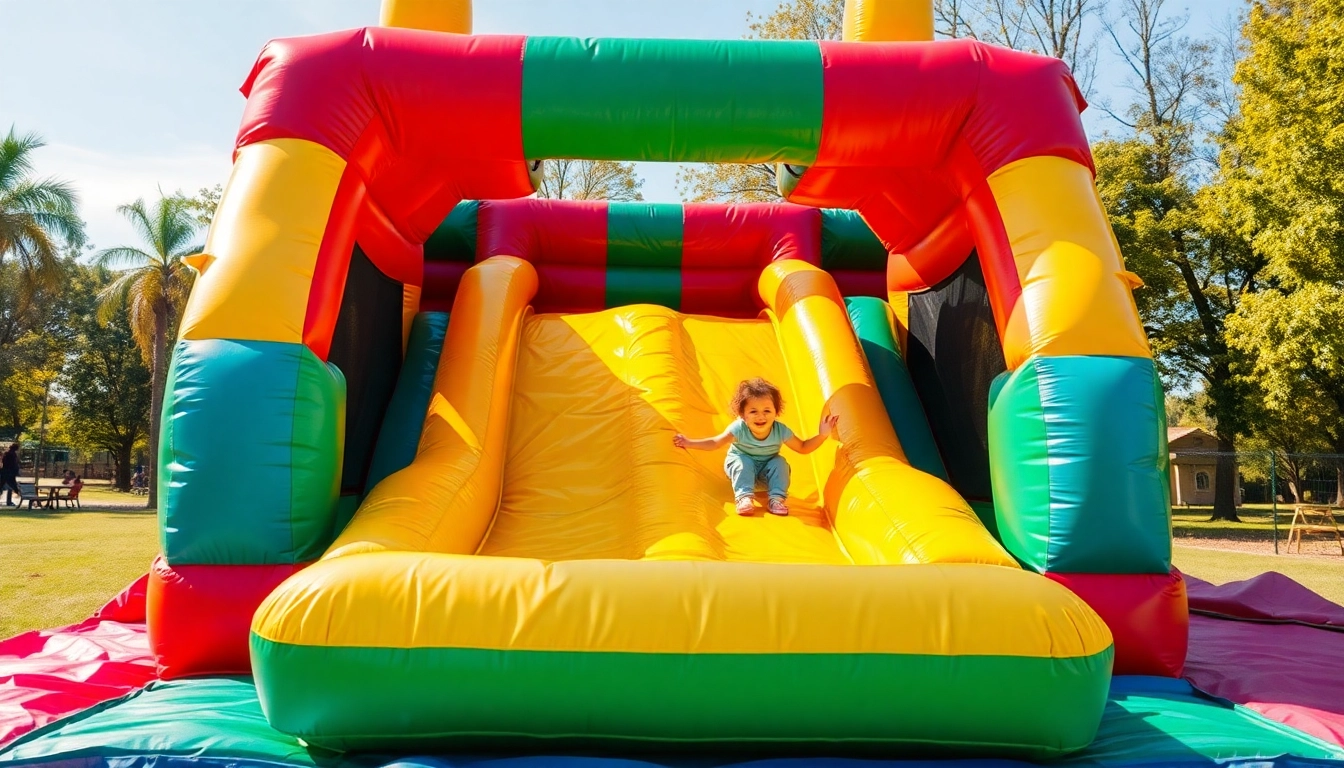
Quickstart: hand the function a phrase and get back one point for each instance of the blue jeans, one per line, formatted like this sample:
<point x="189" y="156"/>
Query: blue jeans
<point x="745" y="471"/>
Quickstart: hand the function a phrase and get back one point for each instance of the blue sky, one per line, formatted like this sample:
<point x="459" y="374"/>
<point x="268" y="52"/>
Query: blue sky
<point x="137" y="95"/>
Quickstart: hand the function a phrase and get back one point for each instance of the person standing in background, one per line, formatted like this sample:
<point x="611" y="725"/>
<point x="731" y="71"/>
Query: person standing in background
<point x="9" y="473"/>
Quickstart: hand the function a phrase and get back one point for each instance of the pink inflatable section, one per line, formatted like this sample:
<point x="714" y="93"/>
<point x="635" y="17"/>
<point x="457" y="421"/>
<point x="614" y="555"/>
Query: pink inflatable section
<point x="49" y="674"/>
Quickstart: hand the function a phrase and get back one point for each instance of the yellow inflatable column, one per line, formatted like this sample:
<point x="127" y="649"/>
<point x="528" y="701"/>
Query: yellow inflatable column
<point x="888" y="21"/>
<point x="883" y="510"/>
<point x="432" y="15"/>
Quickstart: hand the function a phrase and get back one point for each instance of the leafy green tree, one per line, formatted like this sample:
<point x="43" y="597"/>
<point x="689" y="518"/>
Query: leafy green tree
<point x="38" y="217"/>
<point x="1285" y="194"/>
<point x="1295" y="438"/>
<point x="152" y="289"/>
<point x="590" y="180"/>
<point x="799" y="20"/>
<point x="1181" y="239"/>
<point x="1296" y="339"/>
<point x="107" y="385"/>
<point x="201" y="205"/>
<point x="40" y="231"/>
<point x="1290" y="136"/>
<point x="1189" y="410"/>
<point x="35" y="330"/>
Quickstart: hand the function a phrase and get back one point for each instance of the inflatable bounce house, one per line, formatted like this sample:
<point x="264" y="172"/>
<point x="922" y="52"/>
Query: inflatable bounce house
<point x="419" y="492"/>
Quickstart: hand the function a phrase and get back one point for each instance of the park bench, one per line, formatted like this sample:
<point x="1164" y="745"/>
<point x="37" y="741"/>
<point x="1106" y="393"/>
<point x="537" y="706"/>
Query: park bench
<point x="28" y="493"/>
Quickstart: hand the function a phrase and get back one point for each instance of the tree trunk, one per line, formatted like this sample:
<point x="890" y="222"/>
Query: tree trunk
<point x="1225" y="483"/>
<point x="123" y="478"/>
<point x="159" y="370"/>
<point x="1294" y="479"/>
<point x="1339" y="483"/>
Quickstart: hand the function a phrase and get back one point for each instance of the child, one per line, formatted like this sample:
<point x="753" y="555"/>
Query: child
<point x="755" y="439"/>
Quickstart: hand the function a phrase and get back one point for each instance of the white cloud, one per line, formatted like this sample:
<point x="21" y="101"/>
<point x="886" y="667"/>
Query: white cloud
<point x="106" y="180"/>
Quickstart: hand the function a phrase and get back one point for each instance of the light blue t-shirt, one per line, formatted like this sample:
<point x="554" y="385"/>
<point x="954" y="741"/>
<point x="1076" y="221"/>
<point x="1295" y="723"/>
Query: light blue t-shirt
<point x="746" y="443"/>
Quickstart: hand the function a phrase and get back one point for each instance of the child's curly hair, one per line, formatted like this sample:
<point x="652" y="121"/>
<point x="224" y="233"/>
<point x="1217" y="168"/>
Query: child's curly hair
<point x="757" y="387"/>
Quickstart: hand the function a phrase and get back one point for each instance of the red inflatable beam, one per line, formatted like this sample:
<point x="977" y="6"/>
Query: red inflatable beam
<point x="200" y="615"/>
<point x="1148" y="614"/>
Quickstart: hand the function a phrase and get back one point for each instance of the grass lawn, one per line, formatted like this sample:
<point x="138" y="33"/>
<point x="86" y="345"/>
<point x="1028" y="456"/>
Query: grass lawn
<point x="60" y="566"/>
<point x="1257" y="522"/>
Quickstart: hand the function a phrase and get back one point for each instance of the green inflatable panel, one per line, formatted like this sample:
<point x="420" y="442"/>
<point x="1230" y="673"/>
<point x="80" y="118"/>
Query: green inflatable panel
<point x="399" y="436"/>
<point x="742" y="101"/>
<point x="872" y="325"/>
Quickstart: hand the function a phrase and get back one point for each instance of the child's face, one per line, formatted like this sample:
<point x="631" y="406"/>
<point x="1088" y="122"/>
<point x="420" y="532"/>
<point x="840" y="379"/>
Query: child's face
<point x="759" y="414"/>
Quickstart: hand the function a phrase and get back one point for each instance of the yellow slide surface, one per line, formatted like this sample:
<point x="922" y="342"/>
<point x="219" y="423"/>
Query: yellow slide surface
<point x="550" y="437"/>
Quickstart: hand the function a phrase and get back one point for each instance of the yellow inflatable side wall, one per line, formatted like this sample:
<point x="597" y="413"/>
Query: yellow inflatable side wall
<point x="444" y="501"/>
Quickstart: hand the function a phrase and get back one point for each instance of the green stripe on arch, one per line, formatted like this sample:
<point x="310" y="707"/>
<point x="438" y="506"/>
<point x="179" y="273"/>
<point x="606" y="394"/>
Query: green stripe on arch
<point x="644" y="235"/>
<point x="644" y="285"/>
<point x="357" y="698"/>
<point x="754" y="101"/>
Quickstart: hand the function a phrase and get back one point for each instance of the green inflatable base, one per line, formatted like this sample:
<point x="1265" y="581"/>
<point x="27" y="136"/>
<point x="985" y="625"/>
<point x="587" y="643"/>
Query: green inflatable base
<point x="214" y="722"/>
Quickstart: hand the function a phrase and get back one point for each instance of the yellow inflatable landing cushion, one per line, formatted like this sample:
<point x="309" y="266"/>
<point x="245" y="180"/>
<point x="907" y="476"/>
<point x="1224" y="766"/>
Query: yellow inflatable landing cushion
<point x="551" y="567"/>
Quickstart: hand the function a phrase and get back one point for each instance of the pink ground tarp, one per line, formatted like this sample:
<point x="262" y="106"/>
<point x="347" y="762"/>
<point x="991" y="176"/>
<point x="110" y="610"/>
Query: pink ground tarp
<point x="1273" y="645"/>
<point x="49" y="674"/>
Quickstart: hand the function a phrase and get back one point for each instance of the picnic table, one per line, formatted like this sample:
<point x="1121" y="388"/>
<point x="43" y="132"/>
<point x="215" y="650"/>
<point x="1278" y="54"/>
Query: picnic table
<point x="50" y="496"/>
<point x="1313" y="518"/>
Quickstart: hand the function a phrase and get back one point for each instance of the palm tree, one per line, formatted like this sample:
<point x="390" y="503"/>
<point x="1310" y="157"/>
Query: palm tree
<point x="153" y="286"/>
<point x="37" y="216"/>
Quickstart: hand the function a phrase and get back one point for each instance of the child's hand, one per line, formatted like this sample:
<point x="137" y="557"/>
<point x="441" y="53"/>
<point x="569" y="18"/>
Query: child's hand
<point x="829" y="424"/>
<point x="679" y="440"/>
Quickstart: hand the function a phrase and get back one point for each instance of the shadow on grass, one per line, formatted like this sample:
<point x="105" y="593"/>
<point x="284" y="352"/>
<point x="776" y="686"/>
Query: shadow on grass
<point x="1256" y="523"/>
<point x="24" y="513"/>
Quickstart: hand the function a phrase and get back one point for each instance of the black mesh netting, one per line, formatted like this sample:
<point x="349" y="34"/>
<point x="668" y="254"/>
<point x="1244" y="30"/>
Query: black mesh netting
<point x="953" y="356"/>
<point x="366" y="346"/>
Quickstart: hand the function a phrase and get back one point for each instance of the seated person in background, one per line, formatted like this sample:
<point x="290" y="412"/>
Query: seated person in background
<point x="69" y="477"/>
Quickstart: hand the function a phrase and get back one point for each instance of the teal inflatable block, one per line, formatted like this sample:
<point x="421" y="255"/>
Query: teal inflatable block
<point x="399" y="437"/>
<point x="1078" y="460"/>
<point x="455" y="238"/>
<point x="273" y="502"/>
<point x="848" y="243"/>
<point x="872" y="326"/>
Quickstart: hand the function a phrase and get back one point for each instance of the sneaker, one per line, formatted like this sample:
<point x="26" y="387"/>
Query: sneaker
<point x="778" y="507"/>
<point x="744" y="505"/>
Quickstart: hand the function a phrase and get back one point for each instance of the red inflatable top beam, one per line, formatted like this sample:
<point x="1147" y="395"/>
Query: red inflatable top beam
<point x="903" y="131"/>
